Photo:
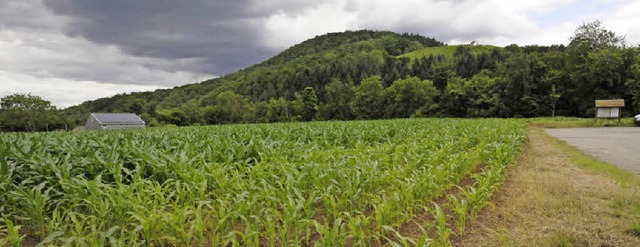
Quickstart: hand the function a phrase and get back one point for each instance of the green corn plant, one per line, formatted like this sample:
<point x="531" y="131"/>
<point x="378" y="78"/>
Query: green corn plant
<point x="402" y="240"/>
<point x="270" y="232"/>
<point x="198" y="225"/>
<point x="332" y="234"/>
<point x="10" y="233"/>
<point x="250" y="184"/>
<point x="33" y="204"/>
<point x="461" y="209"/>
<point x="56" y="223"/>
<point x="358" y="227"/>
<point x="424" y="239"/>
<point x="442" y="230"/>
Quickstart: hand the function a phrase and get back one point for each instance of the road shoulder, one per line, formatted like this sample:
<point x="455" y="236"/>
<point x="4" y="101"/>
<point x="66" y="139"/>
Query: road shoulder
<point x="558" y="196"/>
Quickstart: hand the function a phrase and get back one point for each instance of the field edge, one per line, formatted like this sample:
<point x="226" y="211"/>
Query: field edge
<point x="557" y="196"/>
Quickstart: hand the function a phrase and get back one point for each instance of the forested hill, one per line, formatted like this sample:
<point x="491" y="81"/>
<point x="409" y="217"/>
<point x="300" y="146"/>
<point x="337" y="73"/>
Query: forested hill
<point x="349" y="56"/>
<point x="370" y="75"/>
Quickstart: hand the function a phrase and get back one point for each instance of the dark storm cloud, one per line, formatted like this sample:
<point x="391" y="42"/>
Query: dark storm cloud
<point x="24" y="15"/>
<point x="222" y="34"/>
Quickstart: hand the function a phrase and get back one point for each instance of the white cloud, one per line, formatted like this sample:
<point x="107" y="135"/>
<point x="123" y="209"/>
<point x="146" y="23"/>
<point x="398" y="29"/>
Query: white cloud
<point x="449" y="21"/>
<point x="497" y="22"/>
<point x="64" y="92"/>
<point x="624" y="19"/>
<point x="284" y="29"/>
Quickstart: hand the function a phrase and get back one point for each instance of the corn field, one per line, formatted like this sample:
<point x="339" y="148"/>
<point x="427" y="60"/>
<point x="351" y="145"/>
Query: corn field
<point x="361" y="183"/>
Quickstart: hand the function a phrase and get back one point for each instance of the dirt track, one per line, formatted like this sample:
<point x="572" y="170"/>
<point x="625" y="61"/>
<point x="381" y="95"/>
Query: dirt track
<point x="618" y="146"/>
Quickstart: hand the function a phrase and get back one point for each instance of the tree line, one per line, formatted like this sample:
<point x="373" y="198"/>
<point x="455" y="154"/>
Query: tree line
<point x="25" y="112"/>
<point x="373" y="75"/>
<point x="361" y="81"/>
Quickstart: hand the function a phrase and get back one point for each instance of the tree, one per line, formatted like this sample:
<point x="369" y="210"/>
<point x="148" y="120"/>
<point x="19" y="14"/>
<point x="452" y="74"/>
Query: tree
<point x="309" y="104"/>
<point x="489" y="61"/>
<point x="594" y="36"/>
<point x="633" y="86"/>
<point x="26" y="112"/>
<point x="272" y="111"/>
<point x="465" y="63"/>
<point x="406" y="96"/>
<point x="193" y="111"/>
<point x="479" y="96"/>
<point x="339" y="96"/>
<point x="517" y="79"/>
<point x="594" y="61"/>
<point x="234" y="108"/>
<point x="484" y="95"/>
<point x="368" y="100"/>
<point x="442" y="73"/>
<point x="553" y="97"/>
<point x="605" y="73"/>
<point x="278" y="110"/>
<point x="175" y="116"/>
<point x="136" y="106"/>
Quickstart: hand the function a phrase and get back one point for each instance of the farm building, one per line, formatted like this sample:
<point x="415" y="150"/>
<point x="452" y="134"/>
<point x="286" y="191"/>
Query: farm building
<point x="98" y="121"/>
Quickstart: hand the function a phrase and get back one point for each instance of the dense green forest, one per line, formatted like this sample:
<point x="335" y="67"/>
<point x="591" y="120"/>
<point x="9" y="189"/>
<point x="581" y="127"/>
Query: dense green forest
<point x="372" y="75"/>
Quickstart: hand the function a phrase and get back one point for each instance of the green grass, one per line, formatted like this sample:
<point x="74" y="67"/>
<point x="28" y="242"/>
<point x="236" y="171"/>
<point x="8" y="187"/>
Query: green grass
<point x="634" y="229"/>
<point x="245" y="185"/>
<point x="573" y="122"/>
<point x="447" y="51"/>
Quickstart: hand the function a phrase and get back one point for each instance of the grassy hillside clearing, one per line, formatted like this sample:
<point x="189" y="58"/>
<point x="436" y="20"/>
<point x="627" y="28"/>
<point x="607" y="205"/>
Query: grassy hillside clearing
<point x="447" y="51"/>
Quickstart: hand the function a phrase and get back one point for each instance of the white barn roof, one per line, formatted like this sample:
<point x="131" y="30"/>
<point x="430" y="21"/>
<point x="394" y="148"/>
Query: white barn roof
<point x="117" y="118"/>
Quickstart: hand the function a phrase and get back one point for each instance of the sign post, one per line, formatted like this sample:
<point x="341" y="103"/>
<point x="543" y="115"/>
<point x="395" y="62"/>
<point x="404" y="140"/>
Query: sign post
<point x="609" y="109"/>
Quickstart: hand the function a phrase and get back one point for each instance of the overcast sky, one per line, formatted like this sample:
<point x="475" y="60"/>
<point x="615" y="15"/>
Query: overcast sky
<point x="70" y="51"/>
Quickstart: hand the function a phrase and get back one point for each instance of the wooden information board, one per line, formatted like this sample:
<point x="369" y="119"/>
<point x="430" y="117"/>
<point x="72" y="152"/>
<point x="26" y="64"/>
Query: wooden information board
<point x="609" y="109"/>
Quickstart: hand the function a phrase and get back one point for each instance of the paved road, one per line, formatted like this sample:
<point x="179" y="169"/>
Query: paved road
<point x="618" y="146"/>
